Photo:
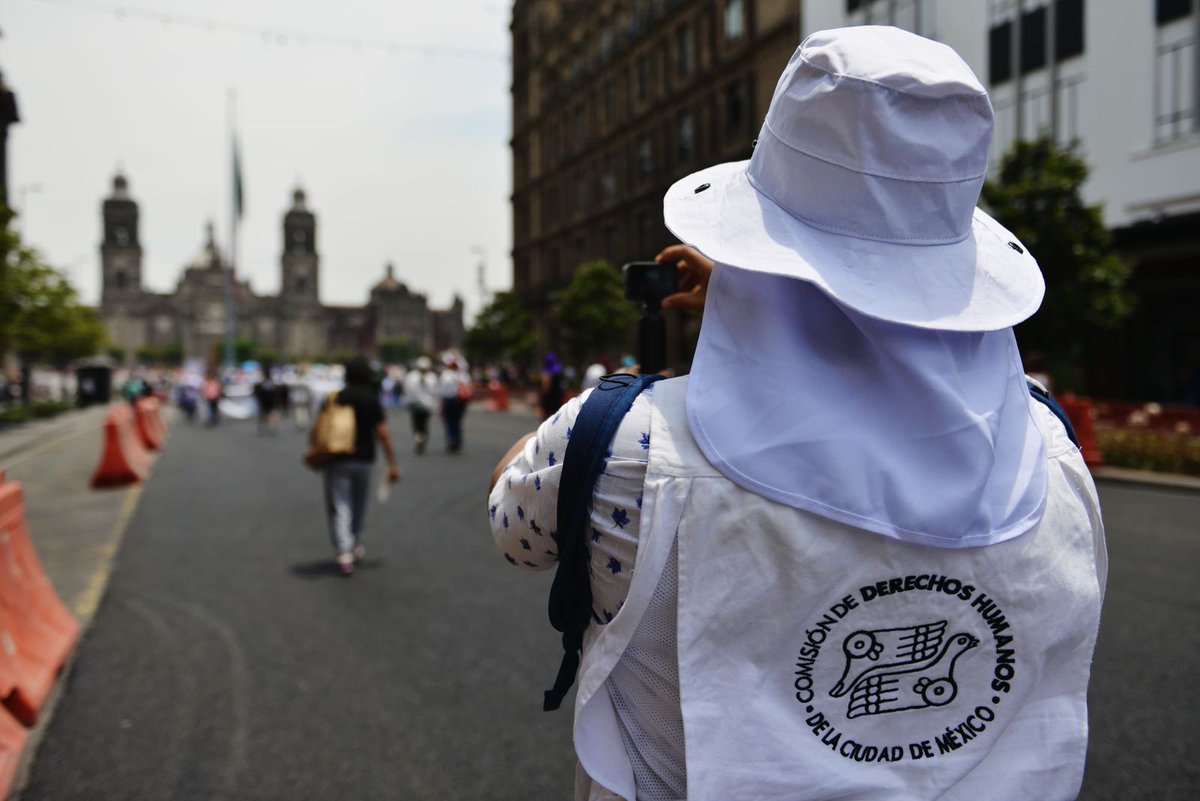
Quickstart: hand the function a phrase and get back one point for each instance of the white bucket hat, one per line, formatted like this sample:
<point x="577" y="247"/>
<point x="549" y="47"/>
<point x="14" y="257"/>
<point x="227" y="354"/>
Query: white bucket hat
<point x="863" y="182"/>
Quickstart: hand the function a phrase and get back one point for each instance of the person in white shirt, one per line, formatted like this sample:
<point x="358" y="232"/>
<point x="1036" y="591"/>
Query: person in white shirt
<point x="850" y="555"/>
<point x="420" y="386"/>
<point x="455" y="388"/>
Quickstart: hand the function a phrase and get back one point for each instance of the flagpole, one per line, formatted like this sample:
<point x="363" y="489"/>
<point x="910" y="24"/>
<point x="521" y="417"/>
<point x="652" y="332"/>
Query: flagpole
<point x="230" y="312"/>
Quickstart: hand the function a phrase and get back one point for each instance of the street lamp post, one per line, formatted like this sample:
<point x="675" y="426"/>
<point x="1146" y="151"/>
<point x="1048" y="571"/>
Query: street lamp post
<point x="480" y="275"/>
<point x="23" y="192"/>
<point x="8" y="116"/>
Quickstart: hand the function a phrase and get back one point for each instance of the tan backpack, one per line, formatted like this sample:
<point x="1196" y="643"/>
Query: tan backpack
<point x="333" y="434"/>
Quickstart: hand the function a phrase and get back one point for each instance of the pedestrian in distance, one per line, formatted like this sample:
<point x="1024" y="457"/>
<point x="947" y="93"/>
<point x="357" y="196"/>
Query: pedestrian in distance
<point x="455" y="389"/>
<point x="301" y="400"/>
<point x="347" y="477"/>
<point x="283" y="399"/>
<point x="266" y="398"/>
<point x="213" y="392"/>
<point x="869" y="557"/>
<point x="421" y="396"/>
<point x="553" y="386"/>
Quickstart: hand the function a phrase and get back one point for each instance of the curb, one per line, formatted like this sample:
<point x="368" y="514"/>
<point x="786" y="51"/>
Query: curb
<point x="1124" y="475"/>
<point x="85" y="610"/>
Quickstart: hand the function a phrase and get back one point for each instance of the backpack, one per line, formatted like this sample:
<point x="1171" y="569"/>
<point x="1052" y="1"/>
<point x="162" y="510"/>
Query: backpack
<point x="333" y="434"/>
<point x="587" y="452"/>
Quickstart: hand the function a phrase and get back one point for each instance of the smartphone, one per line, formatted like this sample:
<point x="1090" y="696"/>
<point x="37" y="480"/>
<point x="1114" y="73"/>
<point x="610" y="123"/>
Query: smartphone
<point x="649" y="282"/>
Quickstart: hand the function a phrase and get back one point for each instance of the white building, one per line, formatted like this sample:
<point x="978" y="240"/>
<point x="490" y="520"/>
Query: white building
<point x="1125" y="80"/>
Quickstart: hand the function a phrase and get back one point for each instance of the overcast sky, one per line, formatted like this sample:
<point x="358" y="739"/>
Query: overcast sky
<point x="404" y="156"/>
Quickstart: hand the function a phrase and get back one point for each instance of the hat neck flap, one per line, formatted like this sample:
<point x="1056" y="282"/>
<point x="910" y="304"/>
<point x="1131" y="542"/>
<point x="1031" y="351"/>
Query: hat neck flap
<point x="923" y="436"/>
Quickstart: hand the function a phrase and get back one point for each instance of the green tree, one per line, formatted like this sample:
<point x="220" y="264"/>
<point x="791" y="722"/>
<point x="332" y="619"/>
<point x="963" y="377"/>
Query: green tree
<point x="593" y="314"/>
<point x="243" y="351"/>
<point x="1036" y="196"/>
<point x="397" y="351"/>
<point x="41" y="318"/>
<point x="502" y="332"/>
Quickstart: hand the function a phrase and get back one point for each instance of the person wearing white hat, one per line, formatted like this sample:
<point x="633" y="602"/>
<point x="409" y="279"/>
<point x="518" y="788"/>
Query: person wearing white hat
<point x="854" y="557"/>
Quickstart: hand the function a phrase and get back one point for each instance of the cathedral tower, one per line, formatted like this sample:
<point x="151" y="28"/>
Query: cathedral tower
<point x="121" y="250"/>
<point x="299" y="281"/>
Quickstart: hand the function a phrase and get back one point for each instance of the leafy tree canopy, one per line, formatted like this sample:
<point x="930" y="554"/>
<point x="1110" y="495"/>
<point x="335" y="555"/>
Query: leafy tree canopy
<point x="41" y="317"/>
<point x="1037" y="196"/>
<point x="593" y="313"/>
<point x="502" y="332"/>
<point x="397" y="351"/>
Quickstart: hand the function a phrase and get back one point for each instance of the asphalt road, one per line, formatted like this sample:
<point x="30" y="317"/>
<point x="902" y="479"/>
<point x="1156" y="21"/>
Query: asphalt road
<point x="1144" y="699"/>
<point x="228" y="661"/>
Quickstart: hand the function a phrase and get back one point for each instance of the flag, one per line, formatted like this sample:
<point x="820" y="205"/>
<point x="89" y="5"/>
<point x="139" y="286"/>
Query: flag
<point x="238" y="202"/>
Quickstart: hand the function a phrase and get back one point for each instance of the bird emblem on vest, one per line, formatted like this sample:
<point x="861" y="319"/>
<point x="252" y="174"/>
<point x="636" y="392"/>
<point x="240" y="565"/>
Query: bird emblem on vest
<point x="889" y="670"/>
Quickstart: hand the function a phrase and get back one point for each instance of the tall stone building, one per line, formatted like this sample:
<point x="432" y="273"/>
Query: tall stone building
<point x="614" y="100"/>
<point x="293" y="325"/>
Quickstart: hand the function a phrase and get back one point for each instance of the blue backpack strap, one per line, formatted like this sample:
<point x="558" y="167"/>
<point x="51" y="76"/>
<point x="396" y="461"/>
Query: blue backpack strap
<point x="1043" y="396"/>
<point x="587" y="452"/>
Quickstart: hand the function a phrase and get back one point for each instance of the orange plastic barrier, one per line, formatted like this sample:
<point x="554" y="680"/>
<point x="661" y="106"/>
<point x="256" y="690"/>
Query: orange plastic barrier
<point x="37" y="632"/>
<point x="12" y="743"/>
<point x="150" y="426"/>
<point x="497" y="396"/>
<point x="1083" y="418"/>
<point x="125" y="459"/>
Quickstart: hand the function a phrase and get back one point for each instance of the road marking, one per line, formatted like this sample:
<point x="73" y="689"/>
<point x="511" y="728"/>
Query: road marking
<point x="89" y="600"/>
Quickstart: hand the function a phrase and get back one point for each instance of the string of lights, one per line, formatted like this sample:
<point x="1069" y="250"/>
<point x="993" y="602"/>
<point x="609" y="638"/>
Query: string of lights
<point x="277" y="36"/>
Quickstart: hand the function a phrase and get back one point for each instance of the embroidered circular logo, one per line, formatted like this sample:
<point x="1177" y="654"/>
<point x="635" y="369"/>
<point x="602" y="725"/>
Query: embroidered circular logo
<point x="905" y="668"/>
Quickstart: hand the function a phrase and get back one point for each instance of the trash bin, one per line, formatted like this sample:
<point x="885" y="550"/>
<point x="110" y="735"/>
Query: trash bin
<point x="93" y="384"/>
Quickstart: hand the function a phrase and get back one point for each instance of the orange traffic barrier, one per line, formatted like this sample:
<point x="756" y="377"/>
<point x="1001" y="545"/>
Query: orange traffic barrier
<point x="125" y="459"/>
<point x="1083" y="419"/>
<point x="497" y="396"/>
<point x="12" y="743"/>
<point x="150" y="428"/>
<point x="37" y="631"/>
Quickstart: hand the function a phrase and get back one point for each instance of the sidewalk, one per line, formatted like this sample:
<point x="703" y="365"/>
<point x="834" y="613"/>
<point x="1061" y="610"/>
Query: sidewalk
<point x="76" y="529"/>
<point x="1146" y="477"/>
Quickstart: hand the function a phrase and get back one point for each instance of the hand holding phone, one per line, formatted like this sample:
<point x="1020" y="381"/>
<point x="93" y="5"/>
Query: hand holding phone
<point x="694" y="270"/>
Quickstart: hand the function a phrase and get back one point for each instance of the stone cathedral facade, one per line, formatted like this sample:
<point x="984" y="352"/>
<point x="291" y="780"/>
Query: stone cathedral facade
<point x="293" y="325"/>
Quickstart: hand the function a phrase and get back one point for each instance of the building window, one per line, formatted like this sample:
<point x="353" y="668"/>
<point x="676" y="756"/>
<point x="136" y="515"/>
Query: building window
<point x="550" y="204"/>
<point x="610" y="103"/>
<point x="581" y="195"/>
<point x="642" y="79"/>
<point x="645" y="156"/>
<point x="685" y="51"/>
<point x="735" y="20"/>
<point x="580" y="128"/>
<point x="1170" y="10"/>
<point x="1000" y="53"/>
<point x="608" y="179"/>
<point x="646" y="232"/>
<point x="735" y="109"/>
<point x="1175" y="73"/>
<point x="121" y="279"/>
<point x="687" y="138"/>
<point x="1033" y="40"/>
<point x="301" y="285"/>
<point x="1068" y="37"/>
<point x="1068" y="29"/>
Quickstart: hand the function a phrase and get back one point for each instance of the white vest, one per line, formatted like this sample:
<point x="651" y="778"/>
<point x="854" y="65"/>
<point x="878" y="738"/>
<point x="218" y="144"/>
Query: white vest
<point x="818" y="661"/>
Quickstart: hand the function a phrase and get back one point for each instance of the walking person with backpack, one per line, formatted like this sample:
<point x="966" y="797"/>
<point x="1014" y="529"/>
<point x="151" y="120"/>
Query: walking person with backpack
<point x="870" y="560"/>
<point x="343" y="448"/>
